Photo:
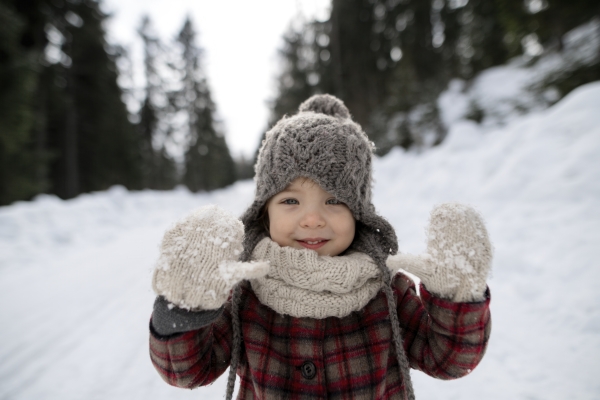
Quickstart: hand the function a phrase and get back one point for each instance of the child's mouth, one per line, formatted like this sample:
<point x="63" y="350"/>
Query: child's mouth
<point x="313" y="244"/>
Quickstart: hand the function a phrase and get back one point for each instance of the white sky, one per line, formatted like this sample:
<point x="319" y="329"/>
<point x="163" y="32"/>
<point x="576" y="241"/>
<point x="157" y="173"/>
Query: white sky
<point x="240" y="39"/>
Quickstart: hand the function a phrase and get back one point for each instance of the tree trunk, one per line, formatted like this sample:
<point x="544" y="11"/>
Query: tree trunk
<point x="71" y="140"/>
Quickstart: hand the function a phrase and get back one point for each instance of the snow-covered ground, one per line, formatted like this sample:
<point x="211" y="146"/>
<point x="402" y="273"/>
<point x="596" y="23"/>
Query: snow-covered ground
<point x="75" y="296"/>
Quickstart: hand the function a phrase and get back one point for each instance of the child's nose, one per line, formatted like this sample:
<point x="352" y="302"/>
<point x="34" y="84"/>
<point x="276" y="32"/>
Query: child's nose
<point x="312" y="220"/>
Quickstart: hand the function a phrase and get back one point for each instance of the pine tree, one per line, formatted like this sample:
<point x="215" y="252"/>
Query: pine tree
<point x="380" y="59"/>
<point x="22" y="162"/>
<point x="404" y="113"/>
<point x="306" y="70"/>
<point x="304" y="57"/>
<point x="474" y="37"/>
<point x="207" y="161"/>
<point x="159" y="169"/>
<point x="87" y="127"/>
<point x="360" y="55"/>
<point x="108" y="142"/>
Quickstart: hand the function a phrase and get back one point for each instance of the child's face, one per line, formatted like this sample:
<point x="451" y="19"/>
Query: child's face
<point x="304" y="216"/>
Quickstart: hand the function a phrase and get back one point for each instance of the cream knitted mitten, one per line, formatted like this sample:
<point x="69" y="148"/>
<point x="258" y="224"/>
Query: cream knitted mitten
<point x="198" y="266"/>
<point x="458" y="257"/>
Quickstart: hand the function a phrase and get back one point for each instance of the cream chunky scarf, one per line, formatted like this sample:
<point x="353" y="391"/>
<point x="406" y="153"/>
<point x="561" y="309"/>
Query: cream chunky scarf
<point x="302" y="284"/>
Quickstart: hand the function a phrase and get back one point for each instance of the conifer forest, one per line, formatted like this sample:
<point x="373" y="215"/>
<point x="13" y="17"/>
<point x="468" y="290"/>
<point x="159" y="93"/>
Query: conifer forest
<point x="65" y="128"/>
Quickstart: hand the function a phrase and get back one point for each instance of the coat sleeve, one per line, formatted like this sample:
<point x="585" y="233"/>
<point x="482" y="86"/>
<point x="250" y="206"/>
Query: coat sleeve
<point x="190" y="349"/>
<point x="444" y="339"/>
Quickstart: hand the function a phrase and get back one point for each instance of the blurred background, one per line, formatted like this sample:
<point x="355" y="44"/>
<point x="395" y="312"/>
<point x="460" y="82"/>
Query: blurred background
<point x="119" y="117"/>
<point x="80" y="112"/>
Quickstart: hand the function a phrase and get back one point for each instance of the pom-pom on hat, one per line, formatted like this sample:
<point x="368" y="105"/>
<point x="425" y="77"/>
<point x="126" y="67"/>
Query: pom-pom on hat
<point x="321" y="143"/>
<point x="325" y="104"/>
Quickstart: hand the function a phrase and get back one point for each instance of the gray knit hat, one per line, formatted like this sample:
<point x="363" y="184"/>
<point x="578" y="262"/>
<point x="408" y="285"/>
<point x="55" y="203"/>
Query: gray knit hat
<point x="322" y="143"/>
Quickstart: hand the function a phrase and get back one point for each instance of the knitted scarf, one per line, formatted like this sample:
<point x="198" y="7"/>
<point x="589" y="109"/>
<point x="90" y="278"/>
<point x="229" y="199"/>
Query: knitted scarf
<point x="302" y="284"/>
<point x="280" y="290"/>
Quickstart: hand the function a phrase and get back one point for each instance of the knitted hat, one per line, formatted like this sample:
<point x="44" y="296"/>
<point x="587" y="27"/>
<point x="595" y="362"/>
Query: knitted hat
<point x="322" y="143"/>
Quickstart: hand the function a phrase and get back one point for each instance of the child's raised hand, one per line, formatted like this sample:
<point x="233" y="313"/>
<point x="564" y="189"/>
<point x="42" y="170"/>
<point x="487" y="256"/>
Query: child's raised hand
<point x="458" y="257"/>
<point x="198" y="266"/>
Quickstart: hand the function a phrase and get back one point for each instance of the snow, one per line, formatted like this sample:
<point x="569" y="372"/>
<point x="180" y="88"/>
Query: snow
<point x="75" y="275"/>
<point x="537" y="183"/>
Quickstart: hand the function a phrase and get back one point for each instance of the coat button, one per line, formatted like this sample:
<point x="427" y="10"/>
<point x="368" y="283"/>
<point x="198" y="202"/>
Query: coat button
<point x="308" y="370"/>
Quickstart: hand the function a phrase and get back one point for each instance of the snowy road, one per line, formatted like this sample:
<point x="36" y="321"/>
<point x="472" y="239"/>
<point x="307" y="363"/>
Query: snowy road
<point x="76" y="321"/>
<point x="75" y="296"/>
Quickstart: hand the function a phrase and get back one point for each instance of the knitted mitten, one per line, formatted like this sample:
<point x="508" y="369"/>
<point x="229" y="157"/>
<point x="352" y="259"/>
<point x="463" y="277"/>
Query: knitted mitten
<point x="458" y="257"/>
<point x="197" y="267"/>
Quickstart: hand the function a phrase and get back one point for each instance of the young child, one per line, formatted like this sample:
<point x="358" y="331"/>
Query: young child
<point x="301" y="298"/>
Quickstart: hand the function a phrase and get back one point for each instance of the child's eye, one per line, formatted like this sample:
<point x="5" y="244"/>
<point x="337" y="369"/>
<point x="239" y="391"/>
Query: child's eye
<point x="333" y="201"/>
<point x="289" y="201"/>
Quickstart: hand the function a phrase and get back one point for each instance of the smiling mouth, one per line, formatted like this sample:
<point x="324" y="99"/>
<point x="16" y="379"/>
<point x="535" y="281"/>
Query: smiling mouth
<point x="313" y="244"/>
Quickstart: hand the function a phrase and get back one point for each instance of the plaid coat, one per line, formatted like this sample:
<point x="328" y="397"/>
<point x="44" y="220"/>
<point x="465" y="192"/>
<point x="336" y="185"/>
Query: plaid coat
<point x="334" y="358"/>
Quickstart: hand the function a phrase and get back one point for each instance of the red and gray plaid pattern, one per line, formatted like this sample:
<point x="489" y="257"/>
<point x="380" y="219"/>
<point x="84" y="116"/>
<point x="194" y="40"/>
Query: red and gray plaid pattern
<point x="354" y="356"/>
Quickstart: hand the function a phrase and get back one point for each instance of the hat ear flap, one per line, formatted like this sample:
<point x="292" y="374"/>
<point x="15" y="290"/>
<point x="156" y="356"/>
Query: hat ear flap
<point x="376" y="237"/>
<point x="254" y="230"/>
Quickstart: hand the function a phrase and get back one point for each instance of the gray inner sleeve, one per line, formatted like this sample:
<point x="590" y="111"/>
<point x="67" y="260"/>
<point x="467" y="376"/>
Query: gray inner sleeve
<point x="171" y="320"/>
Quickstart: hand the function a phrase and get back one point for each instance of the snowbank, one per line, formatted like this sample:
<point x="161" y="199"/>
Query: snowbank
<point x="537" y="182"/>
